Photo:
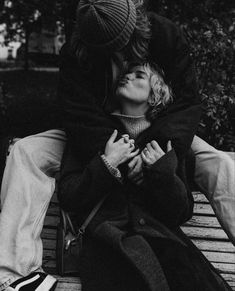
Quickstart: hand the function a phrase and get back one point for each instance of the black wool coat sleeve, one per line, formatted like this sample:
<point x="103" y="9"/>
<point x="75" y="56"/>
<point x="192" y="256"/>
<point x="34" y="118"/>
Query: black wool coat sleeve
<point x="168" y="198"/>
<point x="83" y="186"/>
<point x="169" y="48"/>
<point x="80" y="96"/>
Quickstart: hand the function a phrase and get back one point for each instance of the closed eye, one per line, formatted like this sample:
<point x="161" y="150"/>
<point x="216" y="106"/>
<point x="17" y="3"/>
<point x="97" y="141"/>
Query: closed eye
<point x="141" y="75"/>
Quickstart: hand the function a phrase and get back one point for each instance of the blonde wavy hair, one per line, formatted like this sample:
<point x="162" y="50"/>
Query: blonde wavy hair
<point x="160" y="92"/>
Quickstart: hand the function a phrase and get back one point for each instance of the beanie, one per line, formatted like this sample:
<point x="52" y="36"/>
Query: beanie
<point x="106" y="24"/>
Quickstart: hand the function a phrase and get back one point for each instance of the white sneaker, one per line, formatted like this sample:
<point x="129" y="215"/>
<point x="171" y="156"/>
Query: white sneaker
<point x="34" y="282"/>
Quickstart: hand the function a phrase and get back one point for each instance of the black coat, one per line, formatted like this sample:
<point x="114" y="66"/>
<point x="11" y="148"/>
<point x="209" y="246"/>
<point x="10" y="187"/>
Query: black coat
<point x="134" y="242"/>
<point x="82" y="95"/>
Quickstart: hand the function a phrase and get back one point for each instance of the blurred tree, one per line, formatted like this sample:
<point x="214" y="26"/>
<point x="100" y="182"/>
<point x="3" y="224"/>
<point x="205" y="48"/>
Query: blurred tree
<point x="208" y="24"/>
<point x="70" y="16"/>
<point x="210" y="28"/>
<point x="24" y="16"/>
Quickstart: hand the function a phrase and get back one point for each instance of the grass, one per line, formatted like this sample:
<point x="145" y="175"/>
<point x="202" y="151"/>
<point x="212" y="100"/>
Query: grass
<point x="31" y="98"/>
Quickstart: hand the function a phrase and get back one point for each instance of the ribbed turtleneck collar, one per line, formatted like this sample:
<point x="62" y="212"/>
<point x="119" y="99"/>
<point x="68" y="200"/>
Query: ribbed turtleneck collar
<point x="134" y="125"/>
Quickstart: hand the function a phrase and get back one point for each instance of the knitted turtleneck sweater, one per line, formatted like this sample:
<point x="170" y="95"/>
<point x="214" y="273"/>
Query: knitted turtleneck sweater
<point x="134" y="125"/>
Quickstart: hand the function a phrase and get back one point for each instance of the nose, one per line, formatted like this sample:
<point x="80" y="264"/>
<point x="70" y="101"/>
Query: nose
<point x="130" y="76"/>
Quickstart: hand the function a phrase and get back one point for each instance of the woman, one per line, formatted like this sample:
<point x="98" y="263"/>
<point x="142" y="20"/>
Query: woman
<point x="134" y="242"/>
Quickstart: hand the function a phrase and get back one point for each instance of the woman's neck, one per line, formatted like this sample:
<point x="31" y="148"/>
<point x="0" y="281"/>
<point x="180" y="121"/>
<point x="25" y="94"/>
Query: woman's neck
<point x="133" y="109"/>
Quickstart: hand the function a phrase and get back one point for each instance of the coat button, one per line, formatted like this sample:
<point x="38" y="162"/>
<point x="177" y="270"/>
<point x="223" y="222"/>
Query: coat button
<point x="142" y="221"/>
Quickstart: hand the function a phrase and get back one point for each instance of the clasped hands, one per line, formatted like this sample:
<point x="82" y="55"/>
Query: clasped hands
<point x="123" y="150"/>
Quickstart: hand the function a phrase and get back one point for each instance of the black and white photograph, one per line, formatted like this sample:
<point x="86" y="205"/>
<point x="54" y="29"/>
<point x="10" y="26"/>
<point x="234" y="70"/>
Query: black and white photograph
<point x="117" y="145"/>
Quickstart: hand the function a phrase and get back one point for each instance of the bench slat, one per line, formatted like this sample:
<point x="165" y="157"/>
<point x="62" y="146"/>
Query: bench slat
<point x="203" y="221"/>
<point x="218" y="246"/>
<point x="206" y="232"/>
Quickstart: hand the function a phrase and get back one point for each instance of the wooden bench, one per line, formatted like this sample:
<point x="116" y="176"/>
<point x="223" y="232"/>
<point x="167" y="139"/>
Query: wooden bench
<point x="204" y="230"/>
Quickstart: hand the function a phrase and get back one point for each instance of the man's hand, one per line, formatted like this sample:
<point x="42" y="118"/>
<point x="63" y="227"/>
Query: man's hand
<point x="135" y="172"/>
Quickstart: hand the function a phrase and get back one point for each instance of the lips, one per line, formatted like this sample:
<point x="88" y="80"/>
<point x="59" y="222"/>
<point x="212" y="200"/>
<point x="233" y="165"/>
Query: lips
<point x="122" y="82"/>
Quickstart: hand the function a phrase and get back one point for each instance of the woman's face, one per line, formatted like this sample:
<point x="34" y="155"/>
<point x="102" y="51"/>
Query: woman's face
<point x="135" y="85"/>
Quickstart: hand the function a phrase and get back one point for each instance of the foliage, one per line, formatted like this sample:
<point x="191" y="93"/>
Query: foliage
<point x="210" y="28"/>
<point x="25" y="16"/>
<point x="27" y="102"/>
<point x="29" y="14"/>
<point x="214" y="54"/>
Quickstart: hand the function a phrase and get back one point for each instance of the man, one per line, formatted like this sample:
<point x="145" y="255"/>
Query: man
<point x="107" y="35"/>
<point x="80" y="91"/>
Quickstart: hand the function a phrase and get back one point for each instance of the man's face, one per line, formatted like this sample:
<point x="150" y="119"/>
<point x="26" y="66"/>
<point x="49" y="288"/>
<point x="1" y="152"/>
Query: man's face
<point x="123" y="54"/>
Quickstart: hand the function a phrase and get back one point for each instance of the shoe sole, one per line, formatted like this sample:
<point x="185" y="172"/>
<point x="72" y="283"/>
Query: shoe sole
<point x="48" y="284"/>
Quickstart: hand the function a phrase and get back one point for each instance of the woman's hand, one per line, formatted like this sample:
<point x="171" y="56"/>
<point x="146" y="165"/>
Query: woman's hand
<point x="153" y="152"/>
<point x="135" y="170"/>
<point x="120" y="151"/>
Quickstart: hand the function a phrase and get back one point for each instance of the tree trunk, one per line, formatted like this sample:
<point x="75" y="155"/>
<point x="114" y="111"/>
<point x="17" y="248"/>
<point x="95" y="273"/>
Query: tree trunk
<point x="26" y="52"/>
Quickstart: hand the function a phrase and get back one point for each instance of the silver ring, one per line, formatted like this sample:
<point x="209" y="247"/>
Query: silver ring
<point x="126" y="138"/>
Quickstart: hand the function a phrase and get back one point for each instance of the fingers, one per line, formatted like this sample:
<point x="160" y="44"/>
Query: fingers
<point x="132" y="142"/>
<point x="137" y="168"/>
<point x="154" y="145"/>
<point x="133" y="163"/>
<point x="157" y="147"/>
<point x="135" y="175"/>
<point x="133" y="154"/>
<point x="113" y="136"/>
<point x="144" y="157"/>
<point x="149" y="149"/>
<point x="126" y="138"/>
<point x="147" y="153"/>
<point x="169" y="146"/>
<point x="131" y="145"/>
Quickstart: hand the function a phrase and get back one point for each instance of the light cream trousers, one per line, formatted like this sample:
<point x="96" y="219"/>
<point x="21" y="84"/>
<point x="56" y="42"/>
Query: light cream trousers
<point x="215" y="177"/>
<point x="27" y="187"/>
